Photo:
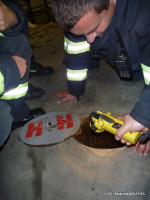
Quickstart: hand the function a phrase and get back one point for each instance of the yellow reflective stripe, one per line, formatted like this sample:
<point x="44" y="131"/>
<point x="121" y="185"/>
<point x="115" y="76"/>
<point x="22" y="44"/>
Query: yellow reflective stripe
<point x="146" y="73"/>
<point x="76" y="75"/>
<point x="2" y="35"/>
<point x="75" y="48"/>
<point x="16" y="93"/>
<point x="1" y="83"/>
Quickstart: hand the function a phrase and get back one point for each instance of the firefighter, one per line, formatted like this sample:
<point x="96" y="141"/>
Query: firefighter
<point x="96" y="23"/>
<point x="36" y="69"/>
<point x="15" y="58"/>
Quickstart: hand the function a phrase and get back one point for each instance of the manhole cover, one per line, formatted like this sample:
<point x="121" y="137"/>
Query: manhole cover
<point x="49" y="129"/>
<point x="104" y="140"/>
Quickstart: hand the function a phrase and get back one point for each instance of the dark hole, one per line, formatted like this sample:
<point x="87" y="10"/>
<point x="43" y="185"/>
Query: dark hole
<point x="104" y="140"/>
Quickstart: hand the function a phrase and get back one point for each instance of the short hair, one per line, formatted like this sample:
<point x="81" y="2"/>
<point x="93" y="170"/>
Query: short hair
<point x="68" y="12"/>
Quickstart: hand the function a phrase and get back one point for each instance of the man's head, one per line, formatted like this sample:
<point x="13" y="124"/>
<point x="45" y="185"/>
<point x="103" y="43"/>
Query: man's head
<point x="68" y="12"/>
<point x="84" y="17"/>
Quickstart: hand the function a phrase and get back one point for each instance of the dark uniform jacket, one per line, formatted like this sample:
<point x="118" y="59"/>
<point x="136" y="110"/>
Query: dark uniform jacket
<point x="14" y="42"/>
<point x="132" y="19"/>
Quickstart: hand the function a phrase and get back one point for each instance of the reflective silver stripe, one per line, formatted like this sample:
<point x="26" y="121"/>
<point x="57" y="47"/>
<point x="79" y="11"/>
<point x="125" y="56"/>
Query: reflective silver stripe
<point x="146" y="73"/>
<point x="32" y="70"/>
<point x="16" y="93"/>
<point x="75" y="48"/>
<point x="76" y="75"/>
<point x="2" y="35"/>
<point x="1" y="83"/>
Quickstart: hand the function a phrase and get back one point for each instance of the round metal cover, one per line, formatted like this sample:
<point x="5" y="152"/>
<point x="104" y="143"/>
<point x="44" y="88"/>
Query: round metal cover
<point x="50" y="129"/>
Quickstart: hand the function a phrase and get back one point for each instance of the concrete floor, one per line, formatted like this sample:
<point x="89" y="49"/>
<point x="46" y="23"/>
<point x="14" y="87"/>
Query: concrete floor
<point x="70" y="170"/>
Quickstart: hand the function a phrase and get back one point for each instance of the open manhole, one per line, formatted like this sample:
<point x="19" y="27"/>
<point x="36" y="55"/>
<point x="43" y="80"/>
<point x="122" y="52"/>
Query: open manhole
<point x="104" y="140"/>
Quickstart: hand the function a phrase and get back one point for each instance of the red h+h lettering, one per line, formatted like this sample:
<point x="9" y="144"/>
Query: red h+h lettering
<point x="61" y="122"/>
<point x="32" y="128"/>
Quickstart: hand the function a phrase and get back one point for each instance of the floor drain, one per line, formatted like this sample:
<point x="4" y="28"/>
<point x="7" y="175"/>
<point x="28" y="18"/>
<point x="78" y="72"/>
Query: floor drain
<point x="104" y="140"/>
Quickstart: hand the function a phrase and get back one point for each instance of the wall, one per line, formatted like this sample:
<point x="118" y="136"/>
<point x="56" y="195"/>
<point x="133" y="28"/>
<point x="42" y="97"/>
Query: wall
<point x="36" y="4"/>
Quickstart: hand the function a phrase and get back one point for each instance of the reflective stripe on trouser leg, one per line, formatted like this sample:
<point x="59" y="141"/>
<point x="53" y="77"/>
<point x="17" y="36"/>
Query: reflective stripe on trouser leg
<point x="16" y="93"/>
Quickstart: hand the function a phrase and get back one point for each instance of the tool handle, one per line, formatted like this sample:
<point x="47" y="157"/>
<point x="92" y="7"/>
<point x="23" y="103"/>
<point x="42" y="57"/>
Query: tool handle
<point x="111" y="124"/>
<point x="132" y="137"/>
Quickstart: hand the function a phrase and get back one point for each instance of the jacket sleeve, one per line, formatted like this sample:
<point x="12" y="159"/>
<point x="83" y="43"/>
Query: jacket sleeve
<point x="9" y="74"/>
<point x="77" y="60"/>
<point x="22" y="24"/>
<point x="141" y="110"/>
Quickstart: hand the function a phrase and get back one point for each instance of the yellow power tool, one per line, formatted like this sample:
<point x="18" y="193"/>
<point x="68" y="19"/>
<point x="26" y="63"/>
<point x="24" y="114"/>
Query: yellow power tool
<point x="100" y="122"/>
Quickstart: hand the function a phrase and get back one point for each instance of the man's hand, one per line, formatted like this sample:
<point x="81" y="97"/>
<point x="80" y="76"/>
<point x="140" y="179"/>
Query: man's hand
<point x="21" y="64"/>
<point x="144" y="147"/>
<point x="64" y="95"/>
<point x="7" y="17"/>
<point x="132" y="125"/>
